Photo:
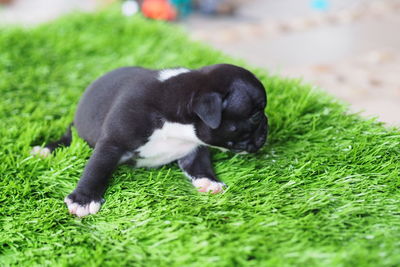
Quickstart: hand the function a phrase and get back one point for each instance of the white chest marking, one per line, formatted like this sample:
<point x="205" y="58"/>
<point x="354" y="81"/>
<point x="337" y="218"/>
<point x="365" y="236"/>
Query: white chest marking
<point x="166" y="74"/>
<point x="173" y="141"/>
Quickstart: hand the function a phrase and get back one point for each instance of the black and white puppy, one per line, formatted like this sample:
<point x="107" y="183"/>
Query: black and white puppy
<point x="148" y="118"/>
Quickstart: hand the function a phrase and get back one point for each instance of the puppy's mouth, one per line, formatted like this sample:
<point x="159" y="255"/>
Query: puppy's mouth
<point x="237" y="151"/>
<point x="244" y="151"/>
<point x="251" y="145"/>
<point x="247" y="146"/>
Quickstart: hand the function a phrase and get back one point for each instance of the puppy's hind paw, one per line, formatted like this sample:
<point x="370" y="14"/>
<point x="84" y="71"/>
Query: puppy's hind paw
<point x="207" y="185"/>
<point x="39" y="151"/>
<point x="81" y="210"/>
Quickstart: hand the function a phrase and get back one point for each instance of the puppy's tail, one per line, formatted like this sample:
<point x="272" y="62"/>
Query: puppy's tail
<point x="65" y="140"/>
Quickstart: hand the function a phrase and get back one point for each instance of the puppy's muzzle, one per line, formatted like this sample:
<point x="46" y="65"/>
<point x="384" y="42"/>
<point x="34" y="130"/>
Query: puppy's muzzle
<point x="256" y="141"/>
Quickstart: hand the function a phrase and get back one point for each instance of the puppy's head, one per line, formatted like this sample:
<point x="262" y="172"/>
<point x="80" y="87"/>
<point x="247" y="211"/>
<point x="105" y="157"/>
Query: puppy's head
<point x="231" y="109"/>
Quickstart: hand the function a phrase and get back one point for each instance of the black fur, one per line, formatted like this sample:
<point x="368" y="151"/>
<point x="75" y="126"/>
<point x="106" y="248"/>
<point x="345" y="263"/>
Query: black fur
<point x="198" y="164"/>
<point x="65" y="140"/>
<point x="120" y="111"/>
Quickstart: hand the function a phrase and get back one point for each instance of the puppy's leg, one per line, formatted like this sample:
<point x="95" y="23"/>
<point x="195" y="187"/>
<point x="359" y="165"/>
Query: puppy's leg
<point x="198" y="167"/>
<point x="87" y="197"/>
<point x="65" y="140"/>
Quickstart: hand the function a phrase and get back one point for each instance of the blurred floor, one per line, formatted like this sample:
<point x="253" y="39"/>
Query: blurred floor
<point x="31" y="12"/>
<point x="352" y="50"/>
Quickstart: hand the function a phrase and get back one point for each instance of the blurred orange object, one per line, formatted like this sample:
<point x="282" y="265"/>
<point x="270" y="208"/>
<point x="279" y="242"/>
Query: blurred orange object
<point x="158" y="9"/>
<point x="5" y="2"/>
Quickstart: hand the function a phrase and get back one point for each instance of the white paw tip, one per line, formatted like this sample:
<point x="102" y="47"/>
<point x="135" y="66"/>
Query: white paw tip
<point x="207" y="185"/>
<point x="94" y="207"/>
<point x="40" y="151"/>
<point x="82" y="210"/>
<point x="67" y="201"/>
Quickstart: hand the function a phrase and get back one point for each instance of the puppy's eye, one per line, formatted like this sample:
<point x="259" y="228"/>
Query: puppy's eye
<point x="256" y="118"/>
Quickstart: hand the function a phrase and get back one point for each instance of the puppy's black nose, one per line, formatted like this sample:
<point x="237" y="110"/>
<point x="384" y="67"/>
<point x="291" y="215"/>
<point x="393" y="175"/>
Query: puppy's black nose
<point x="261" y="134"/>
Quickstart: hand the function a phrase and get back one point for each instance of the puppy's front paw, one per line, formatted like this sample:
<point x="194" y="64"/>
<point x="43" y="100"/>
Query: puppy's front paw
<point x="81" y="205"/>
<point x="207" y="185"/>
<point x="39" y="151"/>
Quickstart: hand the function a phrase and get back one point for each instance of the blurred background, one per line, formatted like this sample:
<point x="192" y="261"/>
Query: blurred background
<point x="350" y="48"/>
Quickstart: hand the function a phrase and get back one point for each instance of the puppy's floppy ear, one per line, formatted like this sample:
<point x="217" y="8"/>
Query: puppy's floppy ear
<point x="209" y="108"/>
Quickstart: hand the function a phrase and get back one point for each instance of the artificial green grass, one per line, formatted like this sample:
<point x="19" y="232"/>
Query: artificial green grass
<point x="324" y="191"/>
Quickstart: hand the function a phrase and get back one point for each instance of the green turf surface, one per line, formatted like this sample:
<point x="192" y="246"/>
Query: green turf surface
<point x="324" y="191"/>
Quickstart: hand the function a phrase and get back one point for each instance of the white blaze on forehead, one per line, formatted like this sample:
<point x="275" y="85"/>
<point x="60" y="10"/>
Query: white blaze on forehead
<point x="166" y="74"/>
<point x="169" y="143"/>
